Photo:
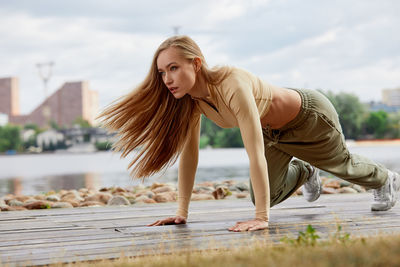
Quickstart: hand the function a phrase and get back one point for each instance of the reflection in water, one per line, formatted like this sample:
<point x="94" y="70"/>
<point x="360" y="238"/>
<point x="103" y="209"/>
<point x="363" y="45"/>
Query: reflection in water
<point x="101" y="170"/>
<point x="91" y="180"/>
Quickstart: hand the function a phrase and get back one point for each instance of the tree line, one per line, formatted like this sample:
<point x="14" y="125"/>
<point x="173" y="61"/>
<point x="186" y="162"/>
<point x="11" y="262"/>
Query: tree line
<point x="357" y="121"/>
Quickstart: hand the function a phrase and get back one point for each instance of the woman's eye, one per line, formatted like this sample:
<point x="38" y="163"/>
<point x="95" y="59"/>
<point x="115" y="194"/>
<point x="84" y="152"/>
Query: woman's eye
<point x="173" y="68"/>
<point x="161" y="73"/>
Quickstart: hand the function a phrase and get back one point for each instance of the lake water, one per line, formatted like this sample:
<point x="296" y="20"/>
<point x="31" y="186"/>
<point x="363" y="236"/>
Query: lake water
<point x="34" y="174"/>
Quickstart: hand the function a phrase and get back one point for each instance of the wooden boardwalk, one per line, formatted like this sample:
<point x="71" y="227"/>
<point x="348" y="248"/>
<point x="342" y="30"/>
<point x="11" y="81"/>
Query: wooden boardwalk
<point x="65" y="235"/>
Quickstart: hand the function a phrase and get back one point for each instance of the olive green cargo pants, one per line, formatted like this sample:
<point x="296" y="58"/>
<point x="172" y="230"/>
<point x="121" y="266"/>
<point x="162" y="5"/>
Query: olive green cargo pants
<point x="314" y="137"/>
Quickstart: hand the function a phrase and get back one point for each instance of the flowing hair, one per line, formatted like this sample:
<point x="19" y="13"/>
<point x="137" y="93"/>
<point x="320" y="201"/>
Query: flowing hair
<point x="151" y="119"/>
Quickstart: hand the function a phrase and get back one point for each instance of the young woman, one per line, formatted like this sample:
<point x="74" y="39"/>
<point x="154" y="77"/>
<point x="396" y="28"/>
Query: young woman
<point x="162" y="117"/>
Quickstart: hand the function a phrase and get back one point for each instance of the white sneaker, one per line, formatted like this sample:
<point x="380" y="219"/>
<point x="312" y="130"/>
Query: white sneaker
<point x="386" y="196"/>
<point x="312" y="188"/>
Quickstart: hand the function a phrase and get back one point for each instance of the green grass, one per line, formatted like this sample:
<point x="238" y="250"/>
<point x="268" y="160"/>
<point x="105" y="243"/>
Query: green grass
<point x="307" y="249"/>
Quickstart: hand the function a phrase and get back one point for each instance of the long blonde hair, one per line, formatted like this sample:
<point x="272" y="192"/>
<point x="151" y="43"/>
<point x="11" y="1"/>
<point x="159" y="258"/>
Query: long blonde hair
<point x="152" y="119"/>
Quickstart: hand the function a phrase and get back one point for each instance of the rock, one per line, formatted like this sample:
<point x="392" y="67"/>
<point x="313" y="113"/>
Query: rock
<point x="15" y="203"/>
<point x="344" y="183"/>
<point x="100" y="197"/>
<point x="221" y="192"/>
<point x="242" y="195"/>
<point x="207" y="184"/>
<point x="54" y="198"/>
<point x="299" y="191"/>
<point x="165" y="197"/>
<point x="8" y="208"/>
<point x="163" y="189"/>
<point x="347" y="190"/>
<point x="74" y="203"/>
<point x="332" y="184"/>
<point x="118" y="201"/>
<point x="150" y="194"/>
<point x="196" y="197"/>
<point x="91" y="204"/>
<point x="242" y="187"/>
<point x="40" y="197"/>
<point x="328" y="190"/>
<point x="155" y="185"/>
<point x="104" y="189"/>
<point x="39" y="204"/>
<point x="117" y="190"/>
<point x="61" y="205"/>
<point x="203" y="189"/>
<point x="22" y="198"/>
<point x="145" y="199"/>
<point x="358" y="188"/>
<point x="71" y="195"/>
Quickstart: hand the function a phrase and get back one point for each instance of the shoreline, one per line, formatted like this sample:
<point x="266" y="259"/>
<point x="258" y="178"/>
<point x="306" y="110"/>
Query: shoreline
<point x="152" y="194"/>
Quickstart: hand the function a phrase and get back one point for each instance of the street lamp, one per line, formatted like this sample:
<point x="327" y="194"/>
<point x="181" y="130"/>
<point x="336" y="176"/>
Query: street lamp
<point x="45" y="72"/>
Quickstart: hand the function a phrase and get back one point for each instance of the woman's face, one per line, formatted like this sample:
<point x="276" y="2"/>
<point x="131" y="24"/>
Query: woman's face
<point x="177" y="73"/>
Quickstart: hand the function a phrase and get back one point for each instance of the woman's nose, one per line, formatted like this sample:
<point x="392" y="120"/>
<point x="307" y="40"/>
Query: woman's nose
<point x="168" y="79"/>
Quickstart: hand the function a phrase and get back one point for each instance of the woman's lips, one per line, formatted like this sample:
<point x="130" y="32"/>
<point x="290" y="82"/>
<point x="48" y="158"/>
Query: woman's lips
<point x="173" y="89"/>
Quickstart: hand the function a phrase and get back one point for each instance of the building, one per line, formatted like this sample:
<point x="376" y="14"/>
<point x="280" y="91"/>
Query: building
<point x="391" y="97"/>
<point x="3" y="119"/>
<point x="71" y="101"/>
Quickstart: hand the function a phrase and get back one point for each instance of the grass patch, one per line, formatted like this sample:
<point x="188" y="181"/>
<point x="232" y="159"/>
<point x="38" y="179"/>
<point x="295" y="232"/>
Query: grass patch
<point x="307" y="249"/>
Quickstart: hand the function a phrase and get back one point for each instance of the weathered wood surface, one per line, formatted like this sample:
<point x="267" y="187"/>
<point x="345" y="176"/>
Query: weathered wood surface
<point x="65" y="235"/>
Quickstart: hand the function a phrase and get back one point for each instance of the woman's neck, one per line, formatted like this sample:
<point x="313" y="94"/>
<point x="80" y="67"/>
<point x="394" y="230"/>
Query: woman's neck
<point x="200" y="88"/>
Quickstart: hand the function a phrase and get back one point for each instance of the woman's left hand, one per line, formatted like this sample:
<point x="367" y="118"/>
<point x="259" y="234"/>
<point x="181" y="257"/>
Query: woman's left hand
<point x="252" y="225"/>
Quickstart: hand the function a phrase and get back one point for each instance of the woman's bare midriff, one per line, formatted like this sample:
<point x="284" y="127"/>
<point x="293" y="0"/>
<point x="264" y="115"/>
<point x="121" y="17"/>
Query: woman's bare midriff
<point x="285" y="105"/>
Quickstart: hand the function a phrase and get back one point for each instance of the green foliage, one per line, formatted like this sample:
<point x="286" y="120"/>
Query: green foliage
<point x="103" y="146"/>
<point x="10" y="138"/>
<point x="351" y="112"/>
<point x="340" y="236"/>
<point x="81" y="122"/>
<point x="217" y="137"/>
<point x="377" y="123"/>
<point x="307" y="238"/>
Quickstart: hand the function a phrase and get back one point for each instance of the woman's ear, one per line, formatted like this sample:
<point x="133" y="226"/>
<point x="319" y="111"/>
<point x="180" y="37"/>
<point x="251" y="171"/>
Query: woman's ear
<point x="197" y="64"/>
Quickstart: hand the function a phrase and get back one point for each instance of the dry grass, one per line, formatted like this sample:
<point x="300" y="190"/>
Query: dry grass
<point x="337" y="251"/>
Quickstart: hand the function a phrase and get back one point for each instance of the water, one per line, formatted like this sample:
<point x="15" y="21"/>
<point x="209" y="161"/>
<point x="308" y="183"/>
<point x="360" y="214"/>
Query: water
<point x="34" y="174"/>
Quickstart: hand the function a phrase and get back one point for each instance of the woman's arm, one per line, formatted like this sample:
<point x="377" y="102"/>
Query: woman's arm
<point x="243" y="105"/>
<point x="187" y="168"/>
<point x="186" y="174"/>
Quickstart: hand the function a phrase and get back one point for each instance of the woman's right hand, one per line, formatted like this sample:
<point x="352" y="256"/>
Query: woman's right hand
<point x="170" y="220"/>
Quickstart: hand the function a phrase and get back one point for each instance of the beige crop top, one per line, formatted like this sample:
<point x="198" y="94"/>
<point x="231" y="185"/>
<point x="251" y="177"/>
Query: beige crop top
<point x="241" y="100"/>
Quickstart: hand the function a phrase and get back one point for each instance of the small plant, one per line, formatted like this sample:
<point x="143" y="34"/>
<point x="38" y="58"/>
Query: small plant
<point x="307" y="238"/>
<point x="341" y="236"/>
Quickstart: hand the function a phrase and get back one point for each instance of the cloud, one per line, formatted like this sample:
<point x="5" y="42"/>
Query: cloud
<point x="333" y="45"/>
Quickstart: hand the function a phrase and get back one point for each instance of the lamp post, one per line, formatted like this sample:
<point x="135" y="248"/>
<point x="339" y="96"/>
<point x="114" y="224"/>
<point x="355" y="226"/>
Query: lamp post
<point x="45" y="72"/>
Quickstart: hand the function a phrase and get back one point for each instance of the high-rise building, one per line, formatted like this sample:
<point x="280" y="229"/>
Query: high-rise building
<point x="73" y="100"/>
<point x="391" y="97"/>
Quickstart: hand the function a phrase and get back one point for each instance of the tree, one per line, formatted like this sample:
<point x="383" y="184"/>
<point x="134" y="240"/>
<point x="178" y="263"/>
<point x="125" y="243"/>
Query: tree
<point x="10" y="138"/>
<point x="82" y="122"/>
<point x="351" y="112"/>
<point x="377" y="123"/>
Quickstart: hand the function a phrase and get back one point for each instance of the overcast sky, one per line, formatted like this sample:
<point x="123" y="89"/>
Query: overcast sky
<point x="351" y="46"/>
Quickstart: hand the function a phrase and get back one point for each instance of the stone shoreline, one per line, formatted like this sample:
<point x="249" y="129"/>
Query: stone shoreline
<point x="156" y="193"/>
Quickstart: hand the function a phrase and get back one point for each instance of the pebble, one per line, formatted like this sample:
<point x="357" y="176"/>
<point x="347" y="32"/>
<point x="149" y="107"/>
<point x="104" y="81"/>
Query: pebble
<point x="347" y="190"/>
<point x="53" y="198"/>
<point x="15" y="203"/>
<point x="118" y="201"/>
<point x="61" y="205"/>
<point x="155" y="193"/>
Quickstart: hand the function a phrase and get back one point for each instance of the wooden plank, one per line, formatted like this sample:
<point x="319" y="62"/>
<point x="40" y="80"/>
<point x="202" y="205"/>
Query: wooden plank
<point x="88" y="233"/>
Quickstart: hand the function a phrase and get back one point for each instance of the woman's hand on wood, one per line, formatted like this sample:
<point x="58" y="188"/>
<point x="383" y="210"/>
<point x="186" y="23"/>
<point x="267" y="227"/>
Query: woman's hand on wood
<point x="251" y="225"/>
<point x="168" y="221"/>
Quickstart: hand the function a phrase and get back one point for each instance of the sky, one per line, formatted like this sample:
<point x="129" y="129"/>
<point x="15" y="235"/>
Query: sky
<point x="342" y="46"/>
